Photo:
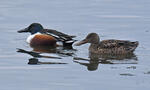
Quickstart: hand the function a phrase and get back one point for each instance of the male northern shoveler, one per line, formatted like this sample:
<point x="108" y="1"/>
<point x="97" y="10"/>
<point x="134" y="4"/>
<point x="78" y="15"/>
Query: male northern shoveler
<point x="108" y="46"/>
<point x="46" y="37"/>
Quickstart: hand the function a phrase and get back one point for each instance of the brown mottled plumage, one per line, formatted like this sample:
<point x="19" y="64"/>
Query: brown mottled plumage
<point x="108" y="46"/>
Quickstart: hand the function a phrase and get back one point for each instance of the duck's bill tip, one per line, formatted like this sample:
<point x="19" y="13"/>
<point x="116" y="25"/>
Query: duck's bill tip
<point x="81" y="42"/>
<point x="76" y="44"/>
<point x="23" y="30"/>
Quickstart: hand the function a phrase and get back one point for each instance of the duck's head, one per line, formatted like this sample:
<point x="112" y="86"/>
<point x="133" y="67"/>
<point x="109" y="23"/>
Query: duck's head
<point x="33" y="28"/>
<point x="92" y="38"/>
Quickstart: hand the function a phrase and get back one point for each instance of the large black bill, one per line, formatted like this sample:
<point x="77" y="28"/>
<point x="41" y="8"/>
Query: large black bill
<point x="23" y="30"/>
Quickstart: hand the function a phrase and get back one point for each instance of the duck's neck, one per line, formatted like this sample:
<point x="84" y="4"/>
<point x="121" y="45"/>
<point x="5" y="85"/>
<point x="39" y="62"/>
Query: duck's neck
<point x="94" y="46"/>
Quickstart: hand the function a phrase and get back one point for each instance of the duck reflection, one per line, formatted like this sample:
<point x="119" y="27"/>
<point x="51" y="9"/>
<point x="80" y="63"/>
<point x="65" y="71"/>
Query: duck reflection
<point x="33" y="61"/>
<point x="37" y="52"/>
<point x="96" y="59"/>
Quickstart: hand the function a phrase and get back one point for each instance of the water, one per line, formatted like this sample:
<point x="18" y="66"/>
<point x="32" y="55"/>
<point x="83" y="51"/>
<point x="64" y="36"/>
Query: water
<point x="111" y="19"/>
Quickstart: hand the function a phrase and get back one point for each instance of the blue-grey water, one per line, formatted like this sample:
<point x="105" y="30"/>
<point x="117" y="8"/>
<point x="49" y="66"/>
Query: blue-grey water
<point x="111" y="19"/>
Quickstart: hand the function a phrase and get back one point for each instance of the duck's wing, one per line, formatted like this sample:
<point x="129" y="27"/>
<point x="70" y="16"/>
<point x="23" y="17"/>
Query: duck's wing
<point x="119" y="43"/>
<point x="110" y="43"/>
<point x="59" y="35"/>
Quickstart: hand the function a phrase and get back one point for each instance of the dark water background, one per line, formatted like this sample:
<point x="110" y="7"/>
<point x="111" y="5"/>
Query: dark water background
<point x="115" y="19"/>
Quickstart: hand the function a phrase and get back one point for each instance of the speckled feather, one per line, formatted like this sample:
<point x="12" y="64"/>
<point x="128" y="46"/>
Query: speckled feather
<point x="114" y="46"/>
<point x="111" y="46"/>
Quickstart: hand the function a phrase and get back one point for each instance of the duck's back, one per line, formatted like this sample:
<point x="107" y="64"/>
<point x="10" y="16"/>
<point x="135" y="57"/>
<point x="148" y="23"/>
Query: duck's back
<point x="116" y="46"/>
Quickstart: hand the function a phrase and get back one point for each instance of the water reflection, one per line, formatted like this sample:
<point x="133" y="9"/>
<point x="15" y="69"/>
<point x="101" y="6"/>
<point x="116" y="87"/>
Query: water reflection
<point x="37" y="52"/>
<point x="96" y="59"/>
<point x="33" y="61"/>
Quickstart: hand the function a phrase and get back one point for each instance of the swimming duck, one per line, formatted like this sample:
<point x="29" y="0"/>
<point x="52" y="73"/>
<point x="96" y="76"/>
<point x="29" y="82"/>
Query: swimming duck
<point x="46" y="37"/>
<point x="111" y="46"/>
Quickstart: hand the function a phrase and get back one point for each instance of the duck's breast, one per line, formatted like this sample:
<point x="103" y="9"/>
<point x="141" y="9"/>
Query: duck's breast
<point x="42" y="40"/>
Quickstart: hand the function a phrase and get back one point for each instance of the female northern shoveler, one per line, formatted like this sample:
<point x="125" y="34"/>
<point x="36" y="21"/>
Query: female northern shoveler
<point x="46" y="37"/>
<point x="108" y="46"/>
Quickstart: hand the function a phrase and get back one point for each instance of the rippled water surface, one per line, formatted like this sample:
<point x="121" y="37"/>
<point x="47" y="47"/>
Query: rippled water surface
<point x="76" y="69"/>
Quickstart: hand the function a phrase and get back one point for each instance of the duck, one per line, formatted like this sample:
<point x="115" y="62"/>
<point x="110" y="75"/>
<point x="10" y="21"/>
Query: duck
<point x="110" y="46"/>
<point x="46" y="37"/>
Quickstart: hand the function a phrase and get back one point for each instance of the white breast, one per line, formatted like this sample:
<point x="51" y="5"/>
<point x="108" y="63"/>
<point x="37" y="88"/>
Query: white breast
<point x="30" y="37"/>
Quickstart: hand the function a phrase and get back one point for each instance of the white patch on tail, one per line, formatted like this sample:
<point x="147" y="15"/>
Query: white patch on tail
<point x="30" y="37"/>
